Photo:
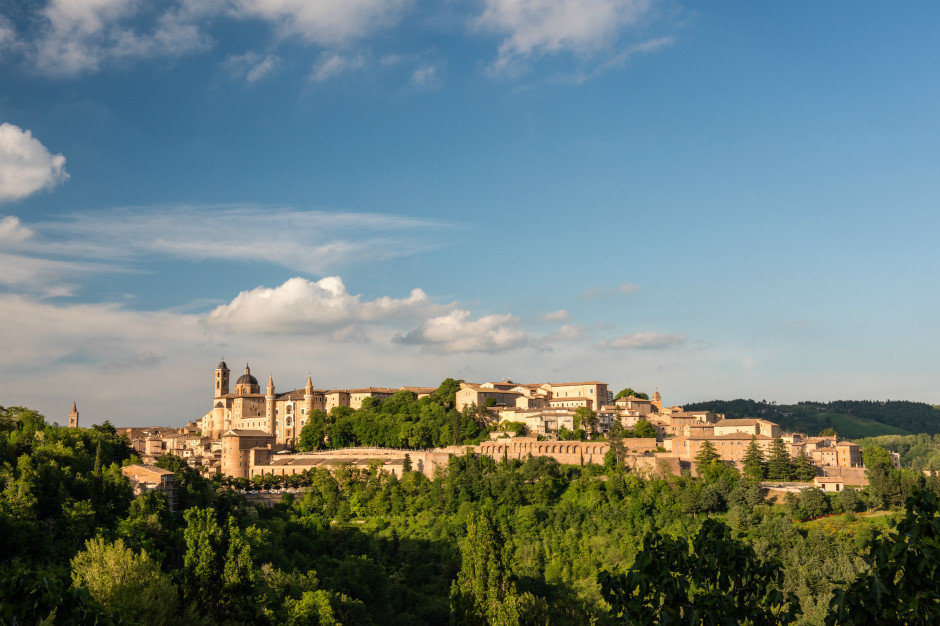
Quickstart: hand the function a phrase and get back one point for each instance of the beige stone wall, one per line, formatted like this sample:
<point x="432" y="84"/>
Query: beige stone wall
<point x="594" y="391"/>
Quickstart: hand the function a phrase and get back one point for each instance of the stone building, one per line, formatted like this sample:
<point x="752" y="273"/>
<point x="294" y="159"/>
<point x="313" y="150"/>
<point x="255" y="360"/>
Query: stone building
<point x="146" y="478"/>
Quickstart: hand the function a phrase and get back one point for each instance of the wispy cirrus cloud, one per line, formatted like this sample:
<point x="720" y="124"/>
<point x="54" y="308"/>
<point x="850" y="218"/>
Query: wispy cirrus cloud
<point x="308" y="241"/>
<point x="606" y="292"/>
<point x="534" y="28"/>
<point x="332" y="64"/>
<point x="251" y="66"/>
<point x="642" y="341"/>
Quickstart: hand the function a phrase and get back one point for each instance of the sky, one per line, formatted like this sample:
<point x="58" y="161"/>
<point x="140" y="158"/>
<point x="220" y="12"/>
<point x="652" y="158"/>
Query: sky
<point x="715" y="200"/>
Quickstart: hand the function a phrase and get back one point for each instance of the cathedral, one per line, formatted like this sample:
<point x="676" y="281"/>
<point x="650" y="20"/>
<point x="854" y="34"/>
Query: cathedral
<point x="246" y="408"/>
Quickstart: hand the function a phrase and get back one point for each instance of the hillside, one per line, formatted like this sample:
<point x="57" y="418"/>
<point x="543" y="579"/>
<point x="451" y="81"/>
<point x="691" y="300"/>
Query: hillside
<point x="849" y="418"/>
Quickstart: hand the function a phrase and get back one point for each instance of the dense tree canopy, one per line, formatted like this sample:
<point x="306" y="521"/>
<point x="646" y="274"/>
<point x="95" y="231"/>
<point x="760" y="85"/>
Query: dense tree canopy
<point x="516" y="541"/>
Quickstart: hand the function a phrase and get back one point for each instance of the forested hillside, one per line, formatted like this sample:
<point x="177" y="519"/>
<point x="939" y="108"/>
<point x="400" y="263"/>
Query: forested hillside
<point x="515" y="542"/>
<point x="851" y="419"/>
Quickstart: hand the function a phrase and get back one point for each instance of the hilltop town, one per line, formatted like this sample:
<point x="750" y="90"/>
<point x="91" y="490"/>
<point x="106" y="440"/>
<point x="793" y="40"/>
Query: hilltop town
<point x="249" y="432"/>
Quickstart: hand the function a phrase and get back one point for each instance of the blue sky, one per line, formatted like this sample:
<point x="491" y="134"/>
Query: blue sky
<point x="718" y="200"/>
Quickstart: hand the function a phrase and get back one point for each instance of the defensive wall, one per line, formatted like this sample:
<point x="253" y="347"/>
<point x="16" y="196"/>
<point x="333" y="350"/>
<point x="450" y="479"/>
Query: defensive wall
<point x="263" y="462"/>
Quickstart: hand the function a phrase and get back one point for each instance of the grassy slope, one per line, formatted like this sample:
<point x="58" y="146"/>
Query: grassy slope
<point x="851" y="427"/>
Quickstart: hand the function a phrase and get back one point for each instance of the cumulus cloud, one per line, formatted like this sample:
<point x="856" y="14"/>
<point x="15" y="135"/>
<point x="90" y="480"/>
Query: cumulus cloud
<point x="456" y="332"/>
<point x="251" y="66"/>
<point x="324" y="22"/>
<point x="303" y="306"/>
<point x="26" y="166"/>
<point x="537" y="27"/>
<point x="333" y="64"/>
<point x="307" y="241"/>
<point x="642" y="341"/>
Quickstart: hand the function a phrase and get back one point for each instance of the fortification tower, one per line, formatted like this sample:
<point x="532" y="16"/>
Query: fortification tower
<point x="308" y="396"/>
<point x="269" y="405"/>
<point x="73" y="416"/>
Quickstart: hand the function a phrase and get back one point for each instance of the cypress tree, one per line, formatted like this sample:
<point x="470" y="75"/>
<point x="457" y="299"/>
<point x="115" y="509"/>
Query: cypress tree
<point x="778" y="467"/>
<point x="754" y="466"/>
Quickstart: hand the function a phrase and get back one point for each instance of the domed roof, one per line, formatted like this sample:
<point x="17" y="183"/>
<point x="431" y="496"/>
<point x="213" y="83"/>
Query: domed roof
<point x="246" y="378"/>
<point x="222" y="366"/>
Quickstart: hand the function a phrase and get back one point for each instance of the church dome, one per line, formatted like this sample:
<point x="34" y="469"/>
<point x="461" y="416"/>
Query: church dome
<point x="246" y="379"/>
<point x="222" y="366"/>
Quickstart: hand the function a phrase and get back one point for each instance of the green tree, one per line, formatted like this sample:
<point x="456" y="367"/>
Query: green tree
<point x="715" y="580"/>
<point x="130" y="583"/>
<point x="803" y="470"/>
<point x="202" y="563"/>
<point x="628" y="392"/>
<point x="903" y="585"/>
<point x="585" y="418"/>
<point x="615" y="439"/>
<point x="706" y="458"/>
<point x="754" y="466"/>
<point x="778" y="466"/>
<point x="314" y="432"/>
<point x="485" y="590"/>
<point x="884" y="480"/>
<point x="814" y="502"/>
<point x="644" y="429"/>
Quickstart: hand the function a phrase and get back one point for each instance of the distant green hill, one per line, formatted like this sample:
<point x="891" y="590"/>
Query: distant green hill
<point x="851" y="419"/>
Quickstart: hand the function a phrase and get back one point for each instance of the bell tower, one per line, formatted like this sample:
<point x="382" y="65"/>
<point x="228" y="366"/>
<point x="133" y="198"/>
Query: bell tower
<point x="73" y="416"/>
<point x="221" y="380"/>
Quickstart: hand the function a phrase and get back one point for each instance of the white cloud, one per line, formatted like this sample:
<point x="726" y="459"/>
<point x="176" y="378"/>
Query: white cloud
<point x="560" y="315"/>
<point x="642" y="341"/>
<point x="81" y="34"/>
<point x="324" y="22"/>
<point x="303" y="306"/>
<point x="38" y="274"/>
<point x="307" y="241"/>
<point x="26" y="166"/>
<point x="426" y="76"/>
<point x="567" y="332"/>
<point x="251" y="66"/>
<point x="618" y="60"/>
<point x="7" y="34"/>
<point x="456" y="332"/>
<point x="628" y="288"/>
<point x="537" y="27"/>
<point x="12" y="231"/>
<point x="331" y="64"/>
